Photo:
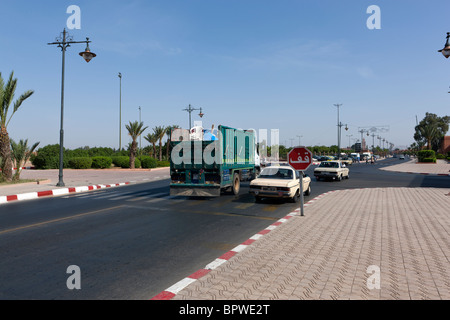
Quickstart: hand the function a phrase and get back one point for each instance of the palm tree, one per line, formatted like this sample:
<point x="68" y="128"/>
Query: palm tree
<point x="20" y="154"/>
<point x="429" y="132"/>
<point x="151" y="138"/>
<point x="159" y="132"/>
<point x="135" y="129"/>
<point x="6" y="97"/>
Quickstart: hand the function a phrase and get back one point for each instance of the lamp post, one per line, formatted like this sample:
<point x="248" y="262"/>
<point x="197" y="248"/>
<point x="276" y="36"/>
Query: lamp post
<point x="190" y="109"/>
<point x="349" y="143"/>
<point x="120" y="110"/>
<point x="446" y="50"/>
<point x="87" y="55"/>
<point x="337" y="105"/>
<point x="299" y="141"/>
<point x="140" y="139"/>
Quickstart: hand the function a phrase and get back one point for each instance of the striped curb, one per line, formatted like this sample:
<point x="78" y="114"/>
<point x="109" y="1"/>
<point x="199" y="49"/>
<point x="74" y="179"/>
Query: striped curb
<point x="172" y="291"/>
<point x="56" y="192"/>
<point x="421" y="173"/>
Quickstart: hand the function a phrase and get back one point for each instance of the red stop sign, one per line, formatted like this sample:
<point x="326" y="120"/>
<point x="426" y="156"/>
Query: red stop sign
<point x="300" y="158"/>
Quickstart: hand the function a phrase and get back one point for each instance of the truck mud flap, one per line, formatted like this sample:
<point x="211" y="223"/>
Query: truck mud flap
<point x="195" y="192"/>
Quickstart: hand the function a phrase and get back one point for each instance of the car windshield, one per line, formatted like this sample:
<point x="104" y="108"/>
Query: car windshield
<point x="328" y="164"/>
<point x="276" y="173"/>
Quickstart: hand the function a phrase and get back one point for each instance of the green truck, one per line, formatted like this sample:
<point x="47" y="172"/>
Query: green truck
<point x="205" y="162"/>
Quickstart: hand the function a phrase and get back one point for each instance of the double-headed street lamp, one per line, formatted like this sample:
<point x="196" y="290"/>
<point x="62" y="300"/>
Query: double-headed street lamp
<point x="190" y="109"/>
<point x="120" y="110"/>
<point x="64" y="42"/>
<point x="339" y="126"/>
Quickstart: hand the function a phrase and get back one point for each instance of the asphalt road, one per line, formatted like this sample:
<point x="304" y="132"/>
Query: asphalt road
<point x="135" y="241"/>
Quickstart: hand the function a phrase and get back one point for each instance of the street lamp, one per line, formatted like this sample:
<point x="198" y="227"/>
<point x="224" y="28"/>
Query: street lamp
<point x="339" y="125"/>
<point x="349" y="143"/>
<point x="120" y="110"/>
<point x="446" y="50"/>
<point x="299" y="141"/>
<point x="140" y="140"/>
<point x="190" y="109"/>
<point x="87" y="55"/>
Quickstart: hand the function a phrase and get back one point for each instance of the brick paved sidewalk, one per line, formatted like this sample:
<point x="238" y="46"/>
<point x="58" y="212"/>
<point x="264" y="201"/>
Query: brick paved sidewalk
<point x="75" y="178"/>
<point x="337" y="248"/>
<point x="441" y="167"/>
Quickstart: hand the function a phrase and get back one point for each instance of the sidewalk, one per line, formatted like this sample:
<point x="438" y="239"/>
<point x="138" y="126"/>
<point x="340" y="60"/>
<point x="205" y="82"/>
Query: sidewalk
<point x="363" y="244"/>
<point x="441" y="167"/>
<point x="76" y="181"/>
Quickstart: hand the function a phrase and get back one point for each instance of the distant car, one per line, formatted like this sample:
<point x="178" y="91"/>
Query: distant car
<point x="401" y="157"/>
<point x="331" y="170"/>
<point x="279" y="182"/>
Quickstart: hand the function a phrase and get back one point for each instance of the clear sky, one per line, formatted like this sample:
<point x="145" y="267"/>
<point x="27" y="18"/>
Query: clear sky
<point x="247" y="63"/>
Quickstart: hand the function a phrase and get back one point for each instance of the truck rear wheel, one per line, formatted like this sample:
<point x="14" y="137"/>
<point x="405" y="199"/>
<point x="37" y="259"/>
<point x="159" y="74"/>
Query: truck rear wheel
<point x="236" y="184"/>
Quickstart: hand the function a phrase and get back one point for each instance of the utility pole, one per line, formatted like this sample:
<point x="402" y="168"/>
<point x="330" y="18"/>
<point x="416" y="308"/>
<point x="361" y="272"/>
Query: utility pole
<point x="120" y="112"/>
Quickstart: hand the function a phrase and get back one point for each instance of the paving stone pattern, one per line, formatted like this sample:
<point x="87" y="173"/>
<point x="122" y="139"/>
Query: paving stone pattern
<point x="330" y="253"/>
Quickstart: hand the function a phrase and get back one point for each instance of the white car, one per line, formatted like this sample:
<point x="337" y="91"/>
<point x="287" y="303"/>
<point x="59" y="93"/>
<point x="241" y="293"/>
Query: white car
<point x="279" y="182"/>
<point x="331" y="170"/>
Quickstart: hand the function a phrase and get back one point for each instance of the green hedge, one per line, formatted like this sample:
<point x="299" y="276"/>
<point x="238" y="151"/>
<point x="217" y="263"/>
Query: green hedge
<point x="148" y="162"/>
<point x="163" y="163"/>
<point x="80" y="163"/>
<point x="426" y="154"/>
<point x="124" y="162"/>
<point x="101" y="162"/>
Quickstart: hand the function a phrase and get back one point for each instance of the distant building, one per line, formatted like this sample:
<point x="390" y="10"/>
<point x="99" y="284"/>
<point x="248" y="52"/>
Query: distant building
<point x="445" y="145"/>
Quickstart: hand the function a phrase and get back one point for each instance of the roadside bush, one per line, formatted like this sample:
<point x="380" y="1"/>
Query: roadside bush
<point x="124" y="162"/>
<point x="163" y="163"/>
<point x="101" y="162"/>
<point x="80" y="163"/>
<point x="148" y="162"/>
<point x="119" y="160"/>
<point x="440" y="156"/>
<point x="48" y="157"/>
<point x="423" y="154"/>
<point x="429" y="160"/>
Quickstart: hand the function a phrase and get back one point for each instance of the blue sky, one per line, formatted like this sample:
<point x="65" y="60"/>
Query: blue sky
<point x="248" y="63"/>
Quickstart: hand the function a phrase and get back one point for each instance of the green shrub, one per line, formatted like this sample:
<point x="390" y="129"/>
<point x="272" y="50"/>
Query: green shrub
<point x="440" y="156"/>
<point x="48" y="157"/>
<point x="148" y="162"/>
<point x="101" y="162"/>
<point x="429" y="160"/>
<point x="124" y="162"/>
<point x="422" y="154"/>
<point x="119" y="161"/>
<point x="163" y="163"/>
<point x="80" y="163"/>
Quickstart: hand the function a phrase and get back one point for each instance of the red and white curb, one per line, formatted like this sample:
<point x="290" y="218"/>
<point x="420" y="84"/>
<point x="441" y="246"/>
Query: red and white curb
<point x="172" y="291"/>
<point x="56" y="192"/>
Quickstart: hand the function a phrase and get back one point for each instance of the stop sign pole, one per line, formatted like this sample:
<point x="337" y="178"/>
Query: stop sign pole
<point x="300" y="158"/>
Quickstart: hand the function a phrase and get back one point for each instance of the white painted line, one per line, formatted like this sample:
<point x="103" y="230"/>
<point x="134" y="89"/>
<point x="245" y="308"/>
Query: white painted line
<point x="256" y="237"/>
<point x="58" y="192"/>
<point x="27" y="196"/>
<point x="180" y="285"/>
<point x="213" y="265"/>
<point x="239" y="248"/>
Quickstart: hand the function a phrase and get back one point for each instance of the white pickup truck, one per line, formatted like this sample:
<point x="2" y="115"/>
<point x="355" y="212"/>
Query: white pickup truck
<point x="331" y="170"/>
